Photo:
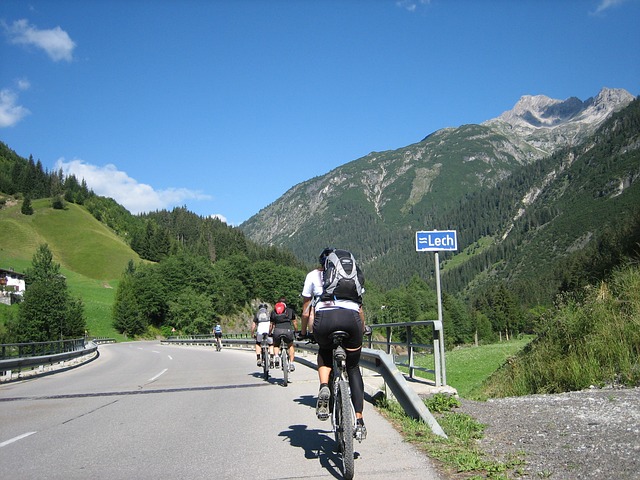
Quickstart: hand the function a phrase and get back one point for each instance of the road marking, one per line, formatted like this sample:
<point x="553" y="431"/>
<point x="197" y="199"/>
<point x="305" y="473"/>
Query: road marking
<point x="170" y="357"/>
<point x="158" y="375"/>
<point x="15" y="439"/>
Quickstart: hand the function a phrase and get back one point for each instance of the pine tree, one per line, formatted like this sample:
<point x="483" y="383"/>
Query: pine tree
<point x="48" y="312"/>
<point x="27" y="208"/>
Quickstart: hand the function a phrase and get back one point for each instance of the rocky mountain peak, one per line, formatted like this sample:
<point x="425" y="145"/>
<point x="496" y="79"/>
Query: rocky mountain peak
<point x="534" y="112"/>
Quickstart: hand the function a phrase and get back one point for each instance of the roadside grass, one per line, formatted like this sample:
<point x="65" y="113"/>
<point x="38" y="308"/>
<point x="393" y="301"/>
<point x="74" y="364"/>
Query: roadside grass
<point x="469" y="366"/>
<point x="592" y="338"/>
<point x="459" y="456"/>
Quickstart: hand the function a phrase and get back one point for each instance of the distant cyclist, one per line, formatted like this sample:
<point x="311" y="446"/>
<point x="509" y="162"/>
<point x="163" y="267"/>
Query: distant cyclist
<point x="261" y="324"/>
<point x="330" y="315"/>
<point x="217" y="331"/>
<point x="283" y="322"/>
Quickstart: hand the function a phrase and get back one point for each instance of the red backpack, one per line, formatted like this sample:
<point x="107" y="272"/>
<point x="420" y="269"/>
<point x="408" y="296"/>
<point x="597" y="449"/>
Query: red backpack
<point x="280" y="307"/>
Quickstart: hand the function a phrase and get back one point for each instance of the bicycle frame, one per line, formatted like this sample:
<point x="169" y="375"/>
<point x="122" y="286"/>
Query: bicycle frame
<point x="284" y="359"/>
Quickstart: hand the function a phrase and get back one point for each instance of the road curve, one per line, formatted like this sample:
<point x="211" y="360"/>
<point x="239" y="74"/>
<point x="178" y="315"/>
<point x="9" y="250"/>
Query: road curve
<point x="145" y="410"/>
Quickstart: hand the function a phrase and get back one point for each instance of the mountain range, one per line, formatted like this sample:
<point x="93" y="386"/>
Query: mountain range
<point x="482" y="180"/>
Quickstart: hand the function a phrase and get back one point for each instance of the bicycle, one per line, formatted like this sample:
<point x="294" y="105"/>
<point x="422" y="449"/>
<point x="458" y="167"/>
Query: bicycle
<point x="265" y="356"/>
<point x="341" y="410"/>
<point x="218" y="343"/>
<point x="284" y="359"/>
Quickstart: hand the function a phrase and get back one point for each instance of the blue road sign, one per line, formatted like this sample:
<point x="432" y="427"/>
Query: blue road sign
<point x="436" y="240"/>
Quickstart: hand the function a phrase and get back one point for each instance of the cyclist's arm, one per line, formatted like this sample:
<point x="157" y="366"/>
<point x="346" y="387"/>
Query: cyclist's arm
<point x="306" y="312"/>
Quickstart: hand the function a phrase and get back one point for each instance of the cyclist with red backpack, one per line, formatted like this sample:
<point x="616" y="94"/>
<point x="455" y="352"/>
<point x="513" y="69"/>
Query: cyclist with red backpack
<point x="332" y="296"/>
<point x="283" y="322"/>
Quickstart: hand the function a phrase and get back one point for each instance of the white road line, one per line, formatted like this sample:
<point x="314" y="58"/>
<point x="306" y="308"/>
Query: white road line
<point x="158" y="375"/>
<point x="15" y="439"/>
<point x="170" y="357"/>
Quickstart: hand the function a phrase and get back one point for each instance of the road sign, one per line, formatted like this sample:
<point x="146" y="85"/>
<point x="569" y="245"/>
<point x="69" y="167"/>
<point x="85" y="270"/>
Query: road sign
<point x="436" y="241"/>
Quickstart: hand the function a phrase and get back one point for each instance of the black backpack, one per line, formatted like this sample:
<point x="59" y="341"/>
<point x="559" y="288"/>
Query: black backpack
<point x="342" y="279"/>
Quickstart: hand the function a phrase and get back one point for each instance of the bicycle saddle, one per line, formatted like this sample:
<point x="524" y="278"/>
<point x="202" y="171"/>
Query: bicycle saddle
<point x="338" y="336"/>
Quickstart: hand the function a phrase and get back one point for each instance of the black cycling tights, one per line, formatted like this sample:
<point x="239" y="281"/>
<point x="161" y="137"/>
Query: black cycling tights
<point x="353" y="371"/>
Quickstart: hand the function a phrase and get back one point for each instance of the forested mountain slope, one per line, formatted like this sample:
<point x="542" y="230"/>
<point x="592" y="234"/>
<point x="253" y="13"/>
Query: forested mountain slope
<point x="496" y="184"/>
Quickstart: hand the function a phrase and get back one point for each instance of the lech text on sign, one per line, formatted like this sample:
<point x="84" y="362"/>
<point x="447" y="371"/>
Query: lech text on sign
<point x="436" y="240"/>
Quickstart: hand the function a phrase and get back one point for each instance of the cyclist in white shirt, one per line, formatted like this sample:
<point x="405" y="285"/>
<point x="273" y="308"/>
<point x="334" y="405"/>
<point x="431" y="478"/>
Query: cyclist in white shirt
<point x="327" y="317"/>
<point x="261" y="324"/>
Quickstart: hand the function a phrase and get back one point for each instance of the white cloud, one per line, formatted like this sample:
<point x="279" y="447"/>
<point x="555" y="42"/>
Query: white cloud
<point x="606" y="4"/>
<point x="411" y="5"/>
<point x="55" y="42"/>
<point x="136" y="197"/>
<point x="220" y="217"/>
<point x="10" y="113"/>
<point x="23" y="84"/>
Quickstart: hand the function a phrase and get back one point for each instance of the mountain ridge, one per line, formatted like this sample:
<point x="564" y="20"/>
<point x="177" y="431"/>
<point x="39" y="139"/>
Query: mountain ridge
<point x="373" y="204"/>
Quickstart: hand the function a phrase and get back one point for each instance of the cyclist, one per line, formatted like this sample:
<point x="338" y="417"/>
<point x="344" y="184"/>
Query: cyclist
<point x="262" y="325"/>
<point x="330" y="316"/>
<point x="217" y="331"/>
<point x="283" y="322"/>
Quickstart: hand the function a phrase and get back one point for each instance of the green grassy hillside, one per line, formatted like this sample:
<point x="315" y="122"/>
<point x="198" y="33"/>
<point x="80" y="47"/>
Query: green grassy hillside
<point x="91" y="256"/>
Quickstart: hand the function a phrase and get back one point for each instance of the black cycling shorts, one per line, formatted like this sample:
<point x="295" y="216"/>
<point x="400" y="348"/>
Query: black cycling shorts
<point x="278" y="332"/>
<point x="331" y="320"/>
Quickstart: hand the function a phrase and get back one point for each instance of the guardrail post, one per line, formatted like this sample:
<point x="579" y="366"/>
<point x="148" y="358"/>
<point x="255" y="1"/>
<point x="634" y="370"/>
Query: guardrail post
<point x="436" y="355"/>
<point x="389" y="340"/>
<point x="410" y="350"/>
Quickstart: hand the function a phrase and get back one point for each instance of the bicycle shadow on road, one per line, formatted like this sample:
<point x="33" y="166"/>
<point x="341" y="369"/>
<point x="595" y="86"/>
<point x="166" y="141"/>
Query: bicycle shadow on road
<point x="316" y="444"/>
<point x="272" y="380"/>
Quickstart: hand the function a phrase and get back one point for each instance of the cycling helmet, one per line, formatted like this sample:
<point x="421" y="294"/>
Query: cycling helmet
<point x="325" y="253"/>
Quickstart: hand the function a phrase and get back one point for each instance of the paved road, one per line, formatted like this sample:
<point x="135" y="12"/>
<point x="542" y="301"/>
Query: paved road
<point x="145" y="410"/>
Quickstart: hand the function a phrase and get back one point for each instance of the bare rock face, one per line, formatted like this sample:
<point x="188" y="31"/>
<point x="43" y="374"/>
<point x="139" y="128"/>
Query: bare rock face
<point x="549" y="124"/>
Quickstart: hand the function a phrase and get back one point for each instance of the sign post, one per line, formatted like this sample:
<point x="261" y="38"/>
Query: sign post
<point x="436" y="241"/>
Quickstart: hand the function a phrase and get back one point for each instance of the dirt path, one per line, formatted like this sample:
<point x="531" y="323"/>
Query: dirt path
<point x="591" y="434"/>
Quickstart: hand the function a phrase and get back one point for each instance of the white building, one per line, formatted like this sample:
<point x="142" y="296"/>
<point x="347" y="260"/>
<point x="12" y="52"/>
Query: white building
<point x="12" y="284"/>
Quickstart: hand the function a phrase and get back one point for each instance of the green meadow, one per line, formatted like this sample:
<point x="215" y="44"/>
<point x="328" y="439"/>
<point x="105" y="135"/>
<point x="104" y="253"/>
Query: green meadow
<point x="91" y="256"/>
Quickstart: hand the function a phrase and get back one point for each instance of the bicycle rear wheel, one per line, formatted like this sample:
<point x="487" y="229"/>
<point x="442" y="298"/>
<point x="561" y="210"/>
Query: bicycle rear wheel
<point x="285" y="366"/>
<point x="265" y="363"/>
<point x="344" y="429"/>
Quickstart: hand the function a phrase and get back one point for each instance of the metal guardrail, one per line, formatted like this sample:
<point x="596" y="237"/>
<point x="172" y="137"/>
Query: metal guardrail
<point x="33" y="349"/>
<point x="22" y="355"/>
<point x="437" y="347"/>
<point x="102" y="340"/>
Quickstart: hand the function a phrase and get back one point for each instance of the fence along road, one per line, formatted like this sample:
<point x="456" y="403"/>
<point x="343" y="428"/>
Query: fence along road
<point x="145" y="410"/>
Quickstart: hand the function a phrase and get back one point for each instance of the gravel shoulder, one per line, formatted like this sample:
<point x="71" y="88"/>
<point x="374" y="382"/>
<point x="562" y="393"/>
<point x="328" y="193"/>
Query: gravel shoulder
<point x="592" y="434"/>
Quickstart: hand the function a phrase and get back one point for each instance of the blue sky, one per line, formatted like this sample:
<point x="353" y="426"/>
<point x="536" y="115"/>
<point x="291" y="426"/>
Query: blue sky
<point x="223" y="106"/>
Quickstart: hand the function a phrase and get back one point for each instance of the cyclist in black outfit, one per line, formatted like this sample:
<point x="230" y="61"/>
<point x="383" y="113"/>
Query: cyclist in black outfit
<point x="283" y="322"/>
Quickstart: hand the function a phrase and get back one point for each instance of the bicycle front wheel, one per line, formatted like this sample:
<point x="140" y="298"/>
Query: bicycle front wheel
<point x="344" y="429"/>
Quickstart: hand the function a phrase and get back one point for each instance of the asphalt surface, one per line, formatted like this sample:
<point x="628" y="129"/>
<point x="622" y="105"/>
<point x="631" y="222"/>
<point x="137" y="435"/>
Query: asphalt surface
<point x="145" y="410"/>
